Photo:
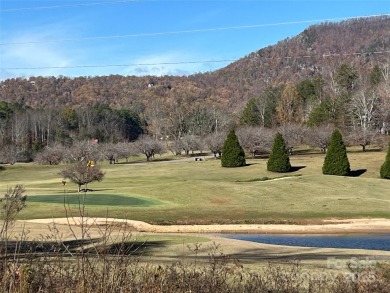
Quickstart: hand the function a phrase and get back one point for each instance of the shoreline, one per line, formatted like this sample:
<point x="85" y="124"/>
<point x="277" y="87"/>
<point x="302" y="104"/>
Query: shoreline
<point x="254" y="255"/>
<point x="329" y="226"/>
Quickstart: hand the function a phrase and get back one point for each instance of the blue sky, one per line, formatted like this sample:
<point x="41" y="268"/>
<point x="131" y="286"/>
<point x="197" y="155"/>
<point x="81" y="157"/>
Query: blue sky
<point x="66" y="34"/>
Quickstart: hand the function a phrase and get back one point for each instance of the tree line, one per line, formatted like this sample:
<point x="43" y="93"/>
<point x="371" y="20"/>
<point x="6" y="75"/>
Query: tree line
<point x="26" y="131"/>
<point x="304" y="113"/>
<point x="271" y="88"/>
<point x="347" y="100"/>
<point x="255" y="140"/>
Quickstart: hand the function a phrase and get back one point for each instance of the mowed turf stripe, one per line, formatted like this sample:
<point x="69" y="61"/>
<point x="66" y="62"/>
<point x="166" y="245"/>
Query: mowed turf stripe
<point x="94" y="199"/>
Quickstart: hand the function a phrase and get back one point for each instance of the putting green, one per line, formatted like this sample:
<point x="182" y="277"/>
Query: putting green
<point x="95" y="199"/>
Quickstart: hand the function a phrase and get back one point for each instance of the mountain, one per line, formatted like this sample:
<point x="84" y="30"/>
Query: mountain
<point x="319" y="50"/>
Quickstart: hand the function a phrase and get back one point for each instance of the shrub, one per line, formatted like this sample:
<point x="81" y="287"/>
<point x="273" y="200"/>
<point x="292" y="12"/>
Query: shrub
<point x="278" y="160"/>
<point x="336" y="159"/>
<point x="232" y="153"/>
<point x="385" y="168"/>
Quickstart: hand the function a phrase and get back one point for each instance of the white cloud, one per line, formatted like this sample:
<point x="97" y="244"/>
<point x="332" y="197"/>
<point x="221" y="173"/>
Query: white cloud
<point x="32" y="54"/>
<point x="28" y="48"/>
<point x="167" y="63"/>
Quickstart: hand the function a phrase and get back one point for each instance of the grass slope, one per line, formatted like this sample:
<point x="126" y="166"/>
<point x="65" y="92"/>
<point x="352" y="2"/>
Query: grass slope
<point x="204" y="192"/>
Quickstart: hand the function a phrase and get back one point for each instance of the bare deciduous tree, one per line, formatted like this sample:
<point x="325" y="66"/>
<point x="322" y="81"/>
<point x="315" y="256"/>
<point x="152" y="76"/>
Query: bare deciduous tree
<point x="365" y="109"/>
<point x="319" y="136"/>
<point x="384" y="91"/>
<point x="364" y="137"/>
<point x="201" y="121"/>
<point x="293" y="135"/>
<point x="290" y="106"/>
<point x="177" y="114"/>
<point x="110" y="152"/>
<point x="9" y="154"/>
<point x="50" y="155"/>
<point x="255" y="139"/>
<point x="386" y="77"/>
<point x="82" y="173"/>
<point x="83" y="151"/>
<point x="11" y="204"/>
<point x="215" y="142"/>
<point x="126" y="149"/>
<point x="148" y="146"/>
<point x="188" y="143"/>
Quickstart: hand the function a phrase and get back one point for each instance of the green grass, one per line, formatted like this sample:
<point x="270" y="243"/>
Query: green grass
<point x="93" y="199"/>
<point x="265" y="178"/>
<point x="171" y="239"/>
<point x="204" y="192"/>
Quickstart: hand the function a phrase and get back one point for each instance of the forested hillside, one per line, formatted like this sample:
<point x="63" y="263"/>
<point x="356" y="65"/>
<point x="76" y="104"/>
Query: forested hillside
<point x="332" y="73"/>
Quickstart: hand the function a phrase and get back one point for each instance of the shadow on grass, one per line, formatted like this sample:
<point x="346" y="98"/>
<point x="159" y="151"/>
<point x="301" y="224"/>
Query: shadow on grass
<point x="144" y="161"/>
<point x="197" y="155"/>
<point x="296" y="168"/>
<point x="302" y="152"/>
<point x="357" y="173"/>
<point x="252" y="256"/>
<point x="129" y="248"/>
<point x="92" y="246"/>
<point x="265" y="178"/>
<point x="48" y="246"/>
<point x="367" y="150"/>
<point x="247" y="165"/>
<point x="233" y="167"/>
<point x="95" y="199"/>
<point x="102" y="189"/>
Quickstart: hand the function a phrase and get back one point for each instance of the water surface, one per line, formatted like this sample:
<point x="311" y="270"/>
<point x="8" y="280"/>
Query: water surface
<point x="368" y="241"/>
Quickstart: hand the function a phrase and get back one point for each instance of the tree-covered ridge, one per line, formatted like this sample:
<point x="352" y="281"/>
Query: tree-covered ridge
<point x="234" y="84"/>
<point x="265" y="90"/>
<point x="320" y="49"/>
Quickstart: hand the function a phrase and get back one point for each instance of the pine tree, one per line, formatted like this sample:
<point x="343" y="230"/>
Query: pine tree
<point x="251" y="114"/>
<point x="278" y="160"/>
<point x="385" y="168"/>
<point x="232" y="153"/>
<point x="336" y="159"/>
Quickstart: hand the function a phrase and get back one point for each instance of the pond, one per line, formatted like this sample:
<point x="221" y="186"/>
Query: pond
<point x="351" y="241"/>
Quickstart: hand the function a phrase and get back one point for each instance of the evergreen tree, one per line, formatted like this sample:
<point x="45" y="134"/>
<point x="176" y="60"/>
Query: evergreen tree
<point x="251" y="114"/>
<point x="232" y="153"/>
<point x="376" y="75"/>
<point x="385" y="168"/>
<point x="346" y="78"/>
<point x="278" y="160"/>
<point x="336" y="159"/>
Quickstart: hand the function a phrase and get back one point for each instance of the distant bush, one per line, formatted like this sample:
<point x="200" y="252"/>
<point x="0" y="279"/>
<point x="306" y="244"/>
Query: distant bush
<point x="232" y="153"/>
<point x="278" y="160"/>
<point x="336" y="160"/>
<point x="385" y="168"/>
